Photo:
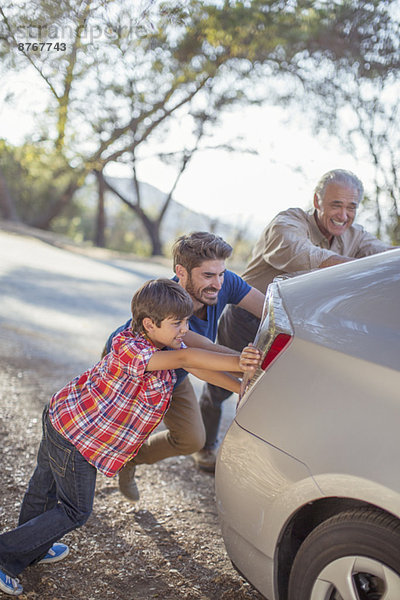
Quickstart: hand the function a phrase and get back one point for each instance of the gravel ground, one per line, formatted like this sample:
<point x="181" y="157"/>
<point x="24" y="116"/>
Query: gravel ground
<point x="167" y="546"/>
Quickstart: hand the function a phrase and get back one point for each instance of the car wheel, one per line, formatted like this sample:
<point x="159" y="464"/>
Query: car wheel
<point x="354" y="555"/>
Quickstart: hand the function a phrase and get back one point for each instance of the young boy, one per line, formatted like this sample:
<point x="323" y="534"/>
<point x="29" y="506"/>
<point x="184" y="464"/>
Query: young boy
<point x="100" y="419"/>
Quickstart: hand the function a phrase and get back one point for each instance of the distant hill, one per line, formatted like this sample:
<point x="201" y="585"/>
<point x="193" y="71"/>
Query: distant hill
<point x="178" y="219"/>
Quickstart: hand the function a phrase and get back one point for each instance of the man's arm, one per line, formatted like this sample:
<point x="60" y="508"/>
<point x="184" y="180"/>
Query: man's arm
<point x="369" y="244"/>
<point x="195" y="340"/>
<point x="287" y="245"/>
<point x="335" y="260"/>
<point x="253" y="302"/>
<point x="219" y="378"/>
<point x="250" y="358"/>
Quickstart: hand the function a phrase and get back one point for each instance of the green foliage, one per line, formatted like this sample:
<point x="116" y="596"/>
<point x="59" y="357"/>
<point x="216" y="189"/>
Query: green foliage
<point x="29" y="173"/>
<point x="364" y="116"/>
<point x="123" y="231"/>
<point x="126" y="72"/>
<point x="125" y="234"/>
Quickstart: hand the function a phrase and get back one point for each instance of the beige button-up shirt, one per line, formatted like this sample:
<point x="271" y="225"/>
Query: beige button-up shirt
<point x="293" y="242"/>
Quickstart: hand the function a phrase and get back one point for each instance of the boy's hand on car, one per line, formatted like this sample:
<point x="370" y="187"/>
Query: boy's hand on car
<point x="250" y="358"/>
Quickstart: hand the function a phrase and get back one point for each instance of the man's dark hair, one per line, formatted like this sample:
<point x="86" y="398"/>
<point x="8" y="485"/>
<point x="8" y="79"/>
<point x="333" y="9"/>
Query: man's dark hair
<point x="193" y="249"/>
<point x="159" y="299"/>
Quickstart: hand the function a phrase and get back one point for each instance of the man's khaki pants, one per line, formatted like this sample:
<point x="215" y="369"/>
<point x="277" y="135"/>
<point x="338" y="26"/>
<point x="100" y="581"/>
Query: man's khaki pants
<point x="185" y="432"/>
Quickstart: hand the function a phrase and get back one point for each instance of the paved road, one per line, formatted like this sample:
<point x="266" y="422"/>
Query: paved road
<point x="57" y="307"/>
<point x="60" y="305"/>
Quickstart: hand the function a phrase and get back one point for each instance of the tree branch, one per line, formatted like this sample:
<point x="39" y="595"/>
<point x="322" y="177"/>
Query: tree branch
<point x="28" y="56"/>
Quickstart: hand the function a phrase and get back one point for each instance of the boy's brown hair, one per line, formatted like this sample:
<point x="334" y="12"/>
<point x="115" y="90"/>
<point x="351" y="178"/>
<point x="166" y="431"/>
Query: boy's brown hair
<point x="159" y="299"/>
<point x="193" y="249"/>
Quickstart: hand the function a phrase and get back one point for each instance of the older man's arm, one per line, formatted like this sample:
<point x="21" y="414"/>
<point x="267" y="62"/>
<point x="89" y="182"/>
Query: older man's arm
<point x="288" y="248"/>
<point x="335" y="259"/>
<point x="367" y="244"/>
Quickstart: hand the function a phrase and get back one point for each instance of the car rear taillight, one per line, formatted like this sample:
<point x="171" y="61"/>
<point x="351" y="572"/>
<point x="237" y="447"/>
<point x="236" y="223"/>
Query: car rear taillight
<point x="277" y="346"/>
<point x="273" y="336"/>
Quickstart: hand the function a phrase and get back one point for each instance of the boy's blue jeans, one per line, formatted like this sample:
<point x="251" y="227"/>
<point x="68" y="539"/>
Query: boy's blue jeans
<point x="59" y="499"/>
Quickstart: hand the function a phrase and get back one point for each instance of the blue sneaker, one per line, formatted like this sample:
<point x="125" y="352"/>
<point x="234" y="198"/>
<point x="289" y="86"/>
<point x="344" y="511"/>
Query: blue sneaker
<point x="10" y="585"/>
<point x="56" y="552"/>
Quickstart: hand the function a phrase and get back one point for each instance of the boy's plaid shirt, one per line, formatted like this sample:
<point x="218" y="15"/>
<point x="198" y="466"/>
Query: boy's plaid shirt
<point x="109" y="411"/>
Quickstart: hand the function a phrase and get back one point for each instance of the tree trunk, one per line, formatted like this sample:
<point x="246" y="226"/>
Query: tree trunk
<point x="7" y="206"/>
<point x="152" y="226"/>
<point x="100" y="237"/>
<point x="396" y="232"/>
<point x="44" y="221"/>
<point x="153" y="230"/>
<point x="378" y="214"/>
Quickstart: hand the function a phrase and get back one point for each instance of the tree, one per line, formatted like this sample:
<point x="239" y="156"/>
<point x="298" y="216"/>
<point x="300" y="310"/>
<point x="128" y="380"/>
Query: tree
<point x="357" y="103"/>
<point x="373" y="130"/>
<point x="7" y="204"/>
<point x="181" y="159"/>
<point x="363" y="115"/>
<point x="113" y="97"/>
<point x="29" y="184"/>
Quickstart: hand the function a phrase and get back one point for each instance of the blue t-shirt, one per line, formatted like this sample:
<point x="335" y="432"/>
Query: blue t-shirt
<point x="233" y="290"/>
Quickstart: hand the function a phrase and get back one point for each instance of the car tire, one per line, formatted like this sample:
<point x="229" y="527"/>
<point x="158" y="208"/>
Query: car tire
<point x="354" y="555"/>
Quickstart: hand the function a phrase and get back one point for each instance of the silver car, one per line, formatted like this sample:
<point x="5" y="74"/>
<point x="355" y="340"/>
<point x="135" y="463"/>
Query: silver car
<point x="308" y="475"/>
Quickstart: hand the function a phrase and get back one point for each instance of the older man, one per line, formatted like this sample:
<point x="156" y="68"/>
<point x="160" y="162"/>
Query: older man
<point x="295" y="240"/>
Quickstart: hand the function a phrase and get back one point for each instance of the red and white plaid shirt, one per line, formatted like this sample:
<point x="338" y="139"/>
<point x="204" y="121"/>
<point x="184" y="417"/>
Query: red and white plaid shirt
<point x="109" y="411"/>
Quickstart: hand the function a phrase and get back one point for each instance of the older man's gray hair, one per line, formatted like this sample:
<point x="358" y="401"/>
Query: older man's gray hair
<point x="341" y="177"/>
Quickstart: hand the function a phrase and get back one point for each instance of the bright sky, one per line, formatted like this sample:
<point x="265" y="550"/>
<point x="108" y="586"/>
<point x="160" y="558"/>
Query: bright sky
<point x="246" y="189"/>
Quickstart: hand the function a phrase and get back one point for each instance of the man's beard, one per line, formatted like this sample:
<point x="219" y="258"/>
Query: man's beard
<point x="197" y="295"/>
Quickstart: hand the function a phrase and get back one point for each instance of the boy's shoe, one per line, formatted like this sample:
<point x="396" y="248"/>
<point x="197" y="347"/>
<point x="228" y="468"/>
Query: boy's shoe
<point x="205" y="459"/>
<point x="56" y="552"/>
<point x="127" y="483"/>
<point x="10" y="585"/>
